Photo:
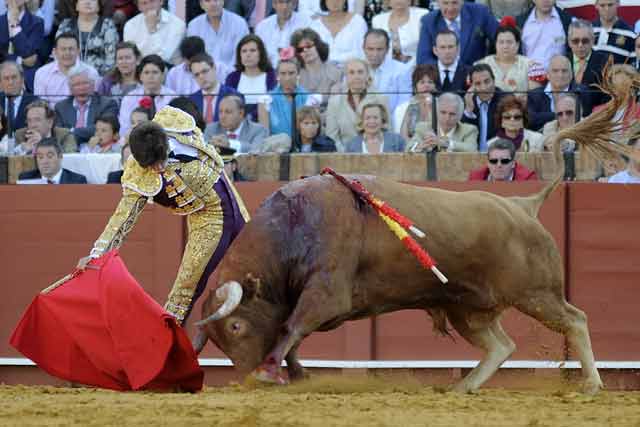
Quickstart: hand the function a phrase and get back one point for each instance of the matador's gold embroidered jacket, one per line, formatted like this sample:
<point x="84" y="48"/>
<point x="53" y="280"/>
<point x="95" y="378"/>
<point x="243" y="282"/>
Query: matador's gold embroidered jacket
<point x="189" y="188"/>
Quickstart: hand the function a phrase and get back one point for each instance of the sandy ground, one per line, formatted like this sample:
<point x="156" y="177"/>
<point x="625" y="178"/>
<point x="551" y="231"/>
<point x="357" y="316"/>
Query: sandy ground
<point x="322" y="402"/>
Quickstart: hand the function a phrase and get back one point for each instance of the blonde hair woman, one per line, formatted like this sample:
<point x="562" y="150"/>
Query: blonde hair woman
<point x="373" y="136"/>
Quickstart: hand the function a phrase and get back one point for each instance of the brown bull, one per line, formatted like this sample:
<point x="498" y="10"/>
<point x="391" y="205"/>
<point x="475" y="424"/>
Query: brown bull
<point x="315" y="255"/>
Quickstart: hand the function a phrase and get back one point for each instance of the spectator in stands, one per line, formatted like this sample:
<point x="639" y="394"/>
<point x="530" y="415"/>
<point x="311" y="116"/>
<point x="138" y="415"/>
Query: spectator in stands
<point x="453" y="135"/>
<point x="21" y="34"/>
<point x="587" y="65"/>
<point x="48" y="153"/>
<point x="502" y="8"/>
<point x="155" y="31"/>
<point x="317" y="74"/>
<point x="502" y="165"/>
<point x="511" y="70"/>
<point x="566" y="113"/>
<point x="235" y="129"/>
<point x="150" y="72"/>
<point x="97" y="34"/>
<point x="14" y="98"/>
<point x="107" y="136"/>
<point x="123" y="78"/>
<point x="452" y="75"/>
<point x="115" y="177"/>
<point x="207" y="99"/>
<point x="613" y="36"/>
<point x="511" y="124"/>
<point x="481" y="102"/>
<point x="275" y="110"/>
<point x="343" y="111"/>
<point x="419" y="108"/>
<point x="544" y="31"/>
<point x="79" y="111"/>
<point x="310" y="138"/>
<point x="250" y="11"/>
<point x="402" y="24"/>
<point x="541" y="101"/>
<point x="254" y="75"/>
<point x="343" y="31"/>
<point x="373" y="136"/>
<point x="221" y="31"/>
<point x="390" y="77"/>
<point x="51" y="81"/>
<point x="631" y="175"/>
<point x="179" y="78"/>
<point x="276" y="30"/>
<point x="40" y="121"/>
<point x="472" y="23"/>
<point x="139" y="115"/>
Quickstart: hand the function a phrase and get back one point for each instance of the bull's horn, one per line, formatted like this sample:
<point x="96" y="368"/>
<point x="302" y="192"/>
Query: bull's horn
<point x="231" y="294"/>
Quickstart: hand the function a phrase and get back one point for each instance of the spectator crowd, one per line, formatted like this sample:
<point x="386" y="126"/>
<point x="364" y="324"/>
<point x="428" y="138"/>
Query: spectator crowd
<point x="360" y="76"/>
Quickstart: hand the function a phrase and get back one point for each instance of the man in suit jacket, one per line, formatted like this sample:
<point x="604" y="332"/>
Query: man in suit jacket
<point x="481" y="102"/>
<point x="40" y="118"/>
<point x="245" y="8"/>
<point x="79" y="111"/>
<point x="49" y="162"/>
<point x="21" y="35"/>
<point x="452" y="75"/>
<point x="541" y="101"/>
<point x="14" y="99"/>
<point x="234" y="130"/>
<point x="207" y="99"/>
<point x="587" y="65"/>
<point x="473" y="23"/>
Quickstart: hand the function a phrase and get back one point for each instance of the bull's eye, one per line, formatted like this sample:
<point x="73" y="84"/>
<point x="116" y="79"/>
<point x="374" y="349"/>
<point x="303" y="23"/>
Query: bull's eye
<point x="236" y="327"/>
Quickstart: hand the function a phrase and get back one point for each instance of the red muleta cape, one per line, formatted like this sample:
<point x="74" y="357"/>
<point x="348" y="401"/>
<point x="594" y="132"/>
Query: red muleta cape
<point x="102" y="329"/>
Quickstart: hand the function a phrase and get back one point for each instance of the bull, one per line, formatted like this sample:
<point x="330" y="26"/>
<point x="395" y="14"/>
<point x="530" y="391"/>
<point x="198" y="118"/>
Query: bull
<point x="315" y="256"/>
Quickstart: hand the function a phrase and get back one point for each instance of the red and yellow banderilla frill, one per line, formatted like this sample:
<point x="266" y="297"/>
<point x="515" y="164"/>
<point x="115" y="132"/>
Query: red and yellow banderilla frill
<point x="397" y="223"/>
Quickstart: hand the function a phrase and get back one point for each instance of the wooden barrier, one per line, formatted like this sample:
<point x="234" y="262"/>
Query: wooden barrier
<point x="410" y="167"/>
<point x="45" y="229"/>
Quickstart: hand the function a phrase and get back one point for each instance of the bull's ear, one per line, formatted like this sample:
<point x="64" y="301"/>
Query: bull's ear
<point x="253" y="288"/>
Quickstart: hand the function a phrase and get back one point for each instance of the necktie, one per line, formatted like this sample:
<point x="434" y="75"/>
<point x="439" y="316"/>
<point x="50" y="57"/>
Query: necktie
<point x="447" y="81"/>
<point x="580" y="71"/>
<point x="50" y="181"/>
<point x="208" y="109"/>
<point x="153" y="105"/>
<point x="455" y="28"/>
<point x="484" y="122"/>
<point x="10" y="115"/>
<point x="80" y="119"/>
<point x="260" y="11"/>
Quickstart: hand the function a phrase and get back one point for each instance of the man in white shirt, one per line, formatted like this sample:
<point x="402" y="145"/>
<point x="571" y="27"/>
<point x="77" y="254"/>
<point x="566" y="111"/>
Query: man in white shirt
<point x="275" y="31"/>
<point x="390" y="77"/>
<point x="234" y="130"/>
<point x="154" y="30"/>
<point x="51" y="81"/>
<point x="544" y="31"/>
<point x="221" y="31"/>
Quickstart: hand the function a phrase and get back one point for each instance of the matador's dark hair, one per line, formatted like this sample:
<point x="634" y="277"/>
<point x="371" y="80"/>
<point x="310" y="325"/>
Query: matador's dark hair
<point x="148" y="143"/>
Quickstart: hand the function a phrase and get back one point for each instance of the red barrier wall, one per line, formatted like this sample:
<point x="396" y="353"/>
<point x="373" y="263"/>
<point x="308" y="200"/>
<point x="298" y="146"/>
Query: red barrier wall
<point x="44" y="230"/>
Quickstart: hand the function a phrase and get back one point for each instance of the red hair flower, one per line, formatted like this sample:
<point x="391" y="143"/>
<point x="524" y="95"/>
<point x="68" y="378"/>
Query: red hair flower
<point x="287" y="53"/>
<point x="508" y="21"/>
<point x="146" y="102"/>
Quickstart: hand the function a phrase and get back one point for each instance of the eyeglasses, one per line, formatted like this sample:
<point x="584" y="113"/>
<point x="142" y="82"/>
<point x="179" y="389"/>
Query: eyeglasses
<point x="302" y="48"/>
<point x="567" y="113"/>
<point x="502" y="161"/>
<point x="585" y="41"/>
<point x="512" y="117"/>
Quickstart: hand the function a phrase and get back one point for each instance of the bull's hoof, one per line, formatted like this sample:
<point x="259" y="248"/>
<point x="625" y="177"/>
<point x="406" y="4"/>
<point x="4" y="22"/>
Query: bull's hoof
<point x="270" y="376"/>
<point x="463" y="387"/>
<point x="592" y="387"/>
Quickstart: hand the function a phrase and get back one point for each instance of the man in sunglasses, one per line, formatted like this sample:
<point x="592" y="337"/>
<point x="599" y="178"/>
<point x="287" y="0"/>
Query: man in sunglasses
<point x="587" y="64"/>
<point x="501" y="165"/>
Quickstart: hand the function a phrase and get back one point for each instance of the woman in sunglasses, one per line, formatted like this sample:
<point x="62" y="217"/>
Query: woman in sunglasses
<point x="511" y="121"/>
<point x="501" y="165"/>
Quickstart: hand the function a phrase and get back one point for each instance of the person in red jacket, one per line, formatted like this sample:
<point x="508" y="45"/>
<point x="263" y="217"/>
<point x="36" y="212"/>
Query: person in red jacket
<point x="501" y="165"/>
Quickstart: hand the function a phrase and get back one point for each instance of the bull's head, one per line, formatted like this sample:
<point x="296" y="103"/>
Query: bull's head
<point x="242" y="323"/>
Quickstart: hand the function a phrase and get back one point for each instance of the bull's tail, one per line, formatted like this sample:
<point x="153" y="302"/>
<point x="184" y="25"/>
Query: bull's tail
<point x="597" y="135"/>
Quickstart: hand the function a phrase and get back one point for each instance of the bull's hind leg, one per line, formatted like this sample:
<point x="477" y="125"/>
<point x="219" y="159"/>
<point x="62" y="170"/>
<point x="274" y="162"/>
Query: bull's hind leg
<point x="560" y="316"/>
<point x="482" y="330"/>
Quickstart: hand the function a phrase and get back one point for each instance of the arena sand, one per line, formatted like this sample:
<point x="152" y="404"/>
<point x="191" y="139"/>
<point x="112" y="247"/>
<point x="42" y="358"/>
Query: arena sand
<point x="322" y="401"/>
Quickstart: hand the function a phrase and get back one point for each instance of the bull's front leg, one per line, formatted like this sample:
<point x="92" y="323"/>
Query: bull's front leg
<point x="319" y="303"/>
